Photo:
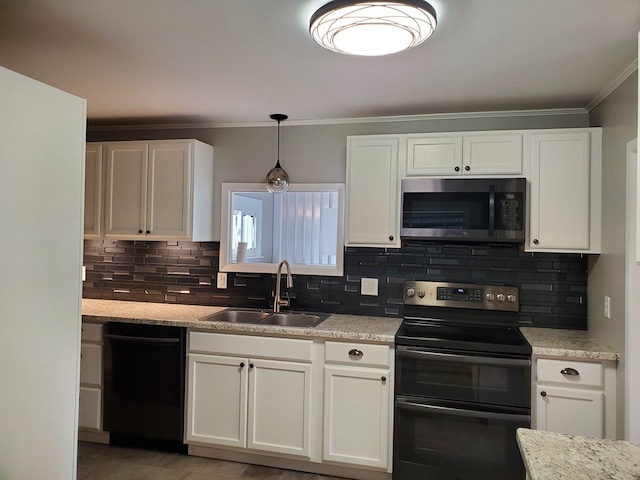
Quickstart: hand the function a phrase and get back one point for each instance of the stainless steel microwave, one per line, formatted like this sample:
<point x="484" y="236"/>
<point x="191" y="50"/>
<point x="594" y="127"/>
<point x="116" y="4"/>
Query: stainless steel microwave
<point x="465" y="209"/>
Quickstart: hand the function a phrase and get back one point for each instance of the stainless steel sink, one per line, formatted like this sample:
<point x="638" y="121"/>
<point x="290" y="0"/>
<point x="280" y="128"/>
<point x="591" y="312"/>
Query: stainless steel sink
<point x="238" y="316"/>
<point x="294" y="319"/>
<point x="283" y="319"/>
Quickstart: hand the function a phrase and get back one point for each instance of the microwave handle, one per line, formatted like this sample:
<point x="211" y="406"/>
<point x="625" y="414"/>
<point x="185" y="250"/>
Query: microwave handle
<point x="492" y="210"/>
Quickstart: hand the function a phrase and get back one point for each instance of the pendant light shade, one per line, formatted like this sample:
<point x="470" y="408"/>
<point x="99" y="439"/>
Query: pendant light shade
<point x="372" y="28"/>
<point x="277" y="179"/>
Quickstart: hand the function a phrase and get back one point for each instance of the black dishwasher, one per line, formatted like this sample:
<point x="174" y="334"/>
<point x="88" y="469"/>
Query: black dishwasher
<point x="144" y="384"/>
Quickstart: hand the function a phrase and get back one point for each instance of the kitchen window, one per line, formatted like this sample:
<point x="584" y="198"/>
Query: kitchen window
<point x="303" y="226"/>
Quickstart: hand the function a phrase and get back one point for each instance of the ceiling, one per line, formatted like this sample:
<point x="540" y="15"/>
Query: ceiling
<point x="238" y="61"/>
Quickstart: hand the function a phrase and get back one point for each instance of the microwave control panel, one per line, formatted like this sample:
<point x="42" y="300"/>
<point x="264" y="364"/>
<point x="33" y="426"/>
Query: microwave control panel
<point x="462" y="295"/>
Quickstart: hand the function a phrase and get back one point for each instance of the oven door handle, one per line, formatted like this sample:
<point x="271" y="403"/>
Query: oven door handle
<point x="409" y="352"/>
<point x="457" y="412"/>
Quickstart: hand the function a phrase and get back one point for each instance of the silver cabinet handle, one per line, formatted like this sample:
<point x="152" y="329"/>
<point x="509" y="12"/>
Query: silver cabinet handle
<point x="570" y="371"/>
<point x="355" y="353"/>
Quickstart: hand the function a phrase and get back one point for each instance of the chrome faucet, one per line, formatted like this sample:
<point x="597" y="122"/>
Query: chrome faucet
<point x="277" y="301"/>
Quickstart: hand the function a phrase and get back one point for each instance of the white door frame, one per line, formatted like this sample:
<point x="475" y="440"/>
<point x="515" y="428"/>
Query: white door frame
<point x="632" y="287"/>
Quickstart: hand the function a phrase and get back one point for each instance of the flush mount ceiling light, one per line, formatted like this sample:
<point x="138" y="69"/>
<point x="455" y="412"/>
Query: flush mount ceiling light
<point x="373" y="28"/>
<point x="277" y="179"/>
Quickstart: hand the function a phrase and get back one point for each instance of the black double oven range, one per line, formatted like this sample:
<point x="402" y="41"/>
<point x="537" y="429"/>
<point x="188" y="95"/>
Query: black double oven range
<point x="463" y="383"/>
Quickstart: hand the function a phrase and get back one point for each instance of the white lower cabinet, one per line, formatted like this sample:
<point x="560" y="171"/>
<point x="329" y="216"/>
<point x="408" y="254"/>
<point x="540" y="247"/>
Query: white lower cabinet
<point x="575" y="397"/>
<point x="251" y="393"/>
<point x="357" y="400"/>
<point x="90" y="407"/>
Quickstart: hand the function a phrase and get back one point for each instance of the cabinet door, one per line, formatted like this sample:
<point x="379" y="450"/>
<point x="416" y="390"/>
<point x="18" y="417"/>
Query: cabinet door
<point x="126" y="190"/>
<point x="372" y="193"/>
<point x="560" y="191"/>
<point x="570" y="410"/>
<point x="169" y="189"/>
<point x="280" y="407"/>
<point x="90" y="408"/>
<point x="356" y="415"/>
<point x="91" y="364"/>
<point x="434" y="155"/>
<point x="492" y="154"/>
<point x="217" y="400"/>
<point x="93" y="191"/>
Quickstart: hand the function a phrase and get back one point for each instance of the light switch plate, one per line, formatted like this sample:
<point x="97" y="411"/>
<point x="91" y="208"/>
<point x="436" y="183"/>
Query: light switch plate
<point x="607" y="306"/>
<point x="369" y="286"/>
<point x="222" y="280"/>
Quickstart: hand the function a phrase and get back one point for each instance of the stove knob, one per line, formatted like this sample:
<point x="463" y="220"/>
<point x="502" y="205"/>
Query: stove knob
<point x="511" y="298"/>
<point x="411" y="292"/>
<point x="490" y="297"/>
<point x="421" y="293"/>
<point x="500" y="297"/>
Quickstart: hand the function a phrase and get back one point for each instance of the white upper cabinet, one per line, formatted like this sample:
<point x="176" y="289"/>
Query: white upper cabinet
<point x="565" y="191"/>
<point x="159" y="190"/>
<point x="93" y="191"/>
<point x="483" y="153"/>
<point x="373" y="192"/>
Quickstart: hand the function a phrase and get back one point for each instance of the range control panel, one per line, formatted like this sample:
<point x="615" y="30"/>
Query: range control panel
<point x="462" y="295"/>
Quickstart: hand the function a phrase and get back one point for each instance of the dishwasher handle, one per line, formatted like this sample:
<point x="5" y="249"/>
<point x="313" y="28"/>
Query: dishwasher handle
<point x="133" y="338"/>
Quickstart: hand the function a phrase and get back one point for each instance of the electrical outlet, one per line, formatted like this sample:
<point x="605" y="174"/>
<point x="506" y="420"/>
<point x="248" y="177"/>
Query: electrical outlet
<point x="222" y="280"/>
<point x="84" y="273"/>
<point x="369" y="286"/>
<point x="607" y="307"/>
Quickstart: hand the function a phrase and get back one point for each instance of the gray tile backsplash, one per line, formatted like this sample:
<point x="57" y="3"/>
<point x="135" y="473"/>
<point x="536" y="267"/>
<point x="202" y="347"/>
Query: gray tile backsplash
<point x="553" y="287"/>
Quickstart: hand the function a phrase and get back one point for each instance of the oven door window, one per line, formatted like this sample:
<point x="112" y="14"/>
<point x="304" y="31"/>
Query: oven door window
<point x="470" y="378"/>
<point x="448" y="440"/>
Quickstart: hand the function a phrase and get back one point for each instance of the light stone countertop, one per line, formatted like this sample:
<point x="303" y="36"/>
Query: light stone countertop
<point x="336" y="326"/>
<point x="555" y="456"/>
<point x="576" y="344"/>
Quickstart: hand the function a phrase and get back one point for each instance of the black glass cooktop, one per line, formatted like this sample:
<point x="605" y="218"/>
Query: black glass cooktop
<point x="434" y="333"/>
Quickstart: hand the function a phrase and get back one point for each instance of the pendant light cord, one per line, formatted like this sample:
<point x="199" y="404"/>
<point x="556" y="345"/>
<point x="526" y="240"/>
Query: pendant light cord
<point x="278" y="158"/>
<point x="278" y="117"/>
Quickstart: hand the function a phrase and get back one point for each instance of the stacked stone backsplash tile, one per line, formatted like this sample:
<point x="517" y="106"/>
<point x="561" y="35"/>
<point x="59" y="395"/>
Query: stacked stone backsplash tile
<point x="553" y="287"/>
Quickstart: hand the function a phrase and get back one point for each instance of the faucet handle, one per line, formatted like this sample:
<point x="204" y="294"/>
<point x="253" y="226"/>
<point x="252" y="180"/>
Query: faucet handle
<point x="285" y="303"/>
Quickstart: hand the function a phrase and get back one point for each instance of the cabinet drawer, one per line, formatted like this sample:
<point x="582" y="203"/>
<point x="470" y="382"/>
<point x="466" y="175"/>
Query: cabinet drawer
<point x="356" y="353"/>
<point x="90" y="408"/>
<point x="588" y="374"/>
<point x="91" y="364"/>
<point x="250" y="346"/>
<point x="92" y="332"/>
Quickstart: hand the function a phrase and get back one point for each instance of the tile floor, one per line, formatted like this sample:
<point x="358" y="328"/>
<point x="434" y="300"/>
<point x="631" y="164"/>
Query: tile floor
<point x="104" y="462"/>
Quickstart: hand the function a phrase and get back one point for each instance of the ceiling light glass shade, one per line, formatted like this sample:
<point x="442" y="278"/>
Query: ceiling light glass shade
<point x="374" y="28"/>
<point x="277" y="179"/>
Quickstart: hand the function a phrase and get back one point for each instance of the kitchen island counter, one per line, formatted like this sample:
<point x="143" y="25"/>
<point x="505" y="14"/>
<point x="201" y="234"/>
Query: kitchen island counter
<point x="555" y="456"/>
<point x="336" y="326"/>
<point x="577" y="344"/>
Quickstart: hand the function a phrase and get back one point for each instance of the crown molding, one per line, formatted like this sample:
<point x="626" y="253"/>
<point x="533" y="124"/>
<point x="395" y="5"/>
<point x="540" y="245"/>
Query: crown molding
<point x="626" y="73"/>
<point x="359" y="120"/>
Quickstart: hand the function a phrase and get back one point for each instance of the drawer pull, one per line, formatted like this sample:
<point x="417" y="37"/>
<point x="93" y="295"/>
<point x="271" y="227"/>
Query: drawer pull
<point x="355" y="353"/>
<point x="570" y="371"/>
<point x="384" y="379"/>
<point x="543" y="393"/>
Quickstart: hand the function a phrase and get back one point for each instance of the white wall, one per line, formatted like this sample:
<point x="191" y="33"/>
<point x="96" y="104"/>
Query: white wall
<point x="42" y="133"/>
<point x="617" y="114"/>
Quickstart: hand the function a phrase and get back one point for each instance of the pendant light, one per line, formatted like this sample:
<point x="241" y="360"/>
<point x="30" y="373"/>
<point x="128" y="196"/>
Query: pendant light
<point x="277" y="179"/>
<point x="372" y="28"/>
